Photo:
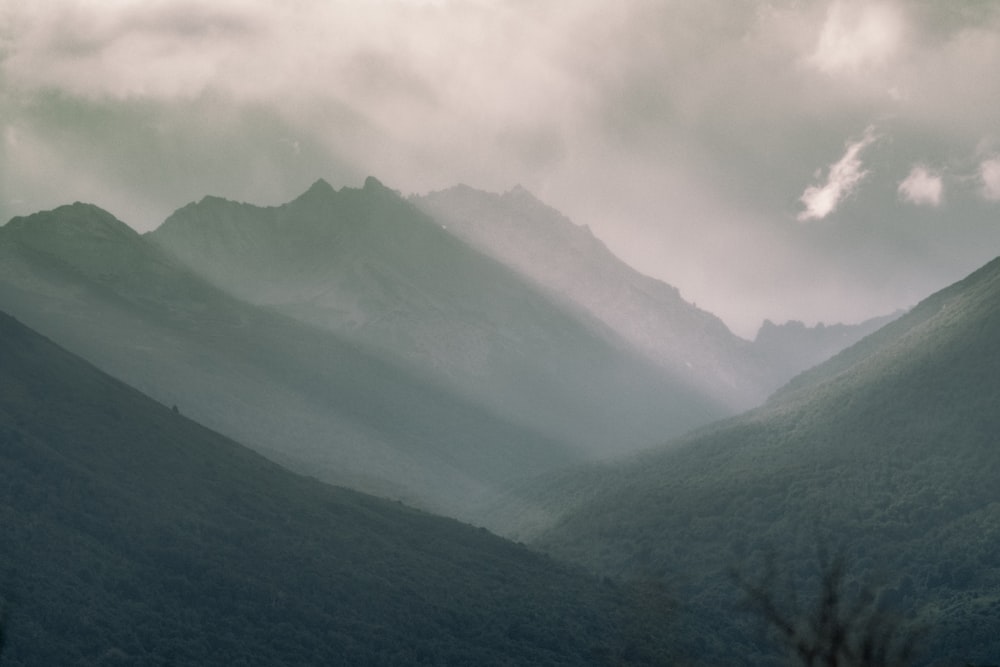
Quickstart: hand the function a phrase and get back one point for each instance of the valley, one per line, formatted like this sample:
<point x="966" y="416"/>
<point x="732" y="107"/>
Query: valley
<point x="492" y="333"/>
<point x="331" y="335"/>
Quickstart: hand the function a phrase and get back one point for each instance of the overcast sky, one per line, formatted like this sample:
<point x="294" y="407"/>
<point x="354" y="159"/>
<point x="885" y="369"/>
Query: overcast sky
<point x="821" y="161"/>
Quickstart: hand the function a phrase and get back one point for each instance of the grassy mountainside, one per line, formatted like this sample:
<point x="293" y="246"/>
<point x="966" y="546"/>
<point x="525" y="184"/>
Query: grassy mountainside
<point x="132" y="535"/>
<point x="889" y="453"/>
<point x="302" y="395"/>
<point x="371" y="266"/>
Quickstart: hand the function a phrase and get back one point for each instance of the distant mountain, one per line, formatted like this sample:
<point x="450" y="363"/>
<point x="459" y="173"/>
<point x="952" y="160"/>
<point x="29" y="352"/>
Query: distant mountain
<point x="132" y="535"/>
<point x="569" y="263"/>
<point x="792" y="347"/>
<point x="299" y="394"/>
<point x="370" y="266"/>
<point x="888" y="453"/>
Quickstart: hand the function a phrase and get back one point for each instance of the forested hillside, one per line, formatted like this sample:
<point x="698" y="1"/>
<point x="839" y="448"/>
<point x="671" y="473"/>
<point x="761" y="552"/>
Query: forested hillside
<point x="134" y="536"/>
<point x="887" y="455"/>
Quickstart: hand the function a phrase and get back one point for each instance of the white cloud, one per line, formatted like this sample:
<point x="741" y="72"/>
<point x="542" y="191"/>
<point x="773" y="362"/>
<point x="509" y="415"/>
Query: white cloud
<point x="922" y="187"/>
<point x="858" y="36"/>
<point x="989" y="172"/>
<point x="843" y="179"/>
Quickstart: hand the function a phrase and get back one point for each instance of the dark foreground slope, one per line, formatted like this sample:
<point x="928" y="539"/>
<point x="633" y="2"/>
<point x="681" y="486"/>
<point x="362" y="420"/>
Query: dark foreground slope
<point x="302" y="395"/>
<point x="131" y="535"/>
<point x="889" y="453"/>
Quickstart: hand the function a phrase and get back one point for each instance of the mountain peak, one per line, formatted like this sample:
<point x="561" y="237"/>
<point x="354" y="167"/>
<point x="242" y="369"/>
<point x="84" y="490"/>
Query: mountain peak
<point x="320" y="190"/>
<point x="212" y="200"/>
<point x="521" y="193"/>
<point x="70" y="220"/>
<point x="372" y="183"/>
<point x="82" y="237"/>
<point x="321" y="186"/>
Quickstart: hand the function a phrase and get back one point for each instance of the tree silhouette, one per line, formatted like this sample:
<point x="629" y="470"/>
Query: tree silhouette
<point x="840" y="629"/>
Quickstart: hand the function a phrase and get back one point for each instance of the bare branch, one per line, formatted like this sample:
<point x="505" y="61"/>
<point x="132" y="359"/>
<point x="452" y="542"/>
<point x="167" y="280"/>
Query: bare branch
<point x="841" y="630"/>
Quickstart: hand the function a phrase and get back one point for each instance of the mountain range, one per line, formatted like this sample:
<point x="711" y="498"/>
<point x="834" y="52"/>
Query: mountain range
<point x="370" y="266"/>
<point x="351" y="335"/>
<point x="299" y="394"/>
<point x="471" y="354"/>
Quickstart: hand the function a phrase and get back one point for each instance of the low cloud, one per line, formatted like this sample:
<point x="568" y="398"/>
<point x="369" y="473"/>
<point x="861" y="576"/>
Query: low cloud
<point x="989" y="172"/>
<point x="922" y="187"/>
<point x="634" y="117"/>
<point x="844" y="177"/>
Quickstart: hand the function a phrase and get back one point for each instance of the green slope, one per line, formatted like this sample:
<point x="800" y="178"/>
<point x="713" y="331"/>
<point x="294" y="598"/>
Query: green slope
<point x="889" y="453"/>
<point x="371" y="266"/>
<point x="302" y="395"/>
<point x="134" y="536"/>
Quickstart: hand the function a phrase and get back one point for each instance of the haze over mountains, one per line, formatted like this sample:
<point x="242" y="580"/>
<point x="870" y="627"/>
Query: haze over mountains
<point x="301" y="395"/>
<point x="568" y="262"/>
<point x="368" y="265"/>
<point x="350" y="335"/>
